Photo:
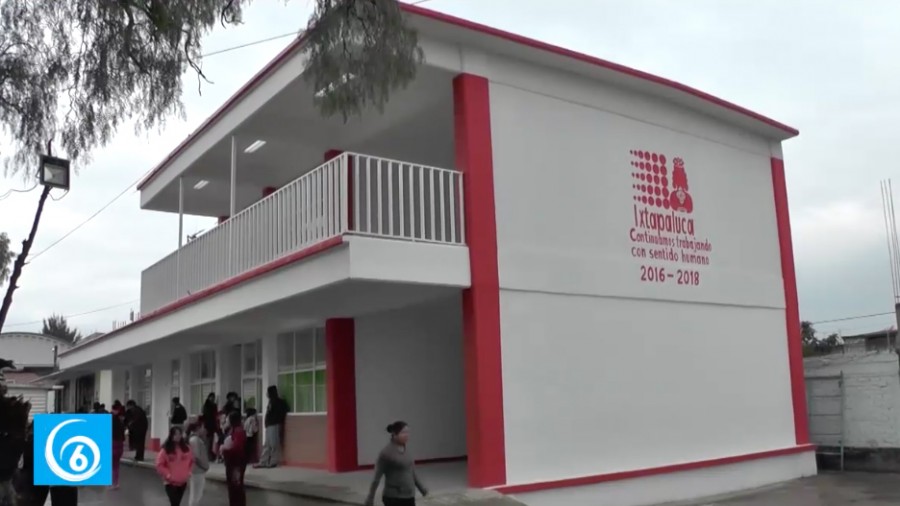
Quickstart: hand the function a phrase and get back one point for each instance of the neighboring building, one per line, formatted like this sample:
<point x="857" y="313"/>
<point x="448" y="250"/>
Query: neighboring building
<point x="854" y="403"/>
<point x="539" y="259"/>
<point x="35" y="356"/>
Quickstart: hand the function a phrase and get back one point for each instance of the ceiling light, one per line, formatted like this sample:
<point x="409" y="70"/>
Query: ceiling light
<point x="201" y="184"/>
<point x="254" y="147"/>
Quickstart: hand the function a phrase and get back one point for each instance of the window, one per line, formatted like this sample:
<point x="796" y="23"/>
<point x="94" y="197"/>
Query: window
<point x="176" y="379"/>
<point x="127" y="385"/>
<point x="251" y="372"/>
<point x="203" y="378"/>
<point x="301" y="370"/>
<point x="145" y="389"/>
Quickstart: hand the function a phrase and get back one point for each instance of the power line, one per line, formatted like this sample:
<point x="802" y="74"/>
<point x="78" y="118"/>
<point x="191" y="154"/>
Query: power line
<point x="859" y="317"/>
<point x="75" y="315"/>
<point x="13" y="190"/>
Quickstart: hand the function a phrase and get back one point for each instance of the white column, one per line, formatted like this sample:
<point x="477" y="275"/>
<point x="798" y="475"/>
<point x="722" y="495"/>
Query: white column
<point x="104" y="387"/>
<point x="185" y="376"/>
<point x="233" y="208"/>
<point x="228" y="371"/>
<point x="269" y="373"/>
<point x="160" y="389"/>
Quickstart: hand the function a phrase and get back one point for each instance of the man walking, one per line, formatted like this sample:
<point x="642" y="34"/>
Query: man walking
<point x="276" y="414"/>
<point x="137" y="429"/>
<point x="178" y="415"/>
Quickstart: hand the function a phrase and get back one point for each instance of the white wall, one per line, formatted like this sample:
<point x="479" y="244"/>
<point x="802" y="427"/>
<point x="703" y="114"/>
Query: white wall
<point x="871" y="402"/>
<point x="409" y="367"/>
<point x="602" y="370"/>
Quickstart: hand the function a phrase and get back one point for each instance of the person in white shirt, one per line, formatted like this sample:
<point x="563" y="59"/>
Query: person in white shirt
<point x="197" y="440"/>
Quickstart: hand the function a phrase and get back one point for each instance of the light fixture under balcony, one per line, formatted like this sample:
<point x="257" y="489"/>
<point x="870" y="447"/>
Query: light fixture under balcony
<point x="255" y="146"/>
<point x="201" y="184"/>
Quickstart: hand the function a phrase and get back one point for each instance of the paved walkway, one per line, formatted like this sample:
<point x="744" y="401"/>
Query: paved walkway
<point x="829" y="489"/>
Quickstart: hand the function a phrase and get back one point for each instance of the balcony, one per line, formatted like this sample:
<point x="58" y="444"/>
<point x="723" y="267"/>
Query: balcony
<point x="352" y="194"/>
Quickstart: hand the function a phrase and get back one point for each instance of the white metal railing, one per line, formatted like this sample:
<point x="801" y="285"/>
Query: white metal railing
<point x="353" y="193"/>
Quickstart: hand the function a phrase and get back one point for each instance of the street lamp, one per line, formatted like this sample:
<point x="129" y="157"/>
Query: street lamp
<point x="55" y="172"/>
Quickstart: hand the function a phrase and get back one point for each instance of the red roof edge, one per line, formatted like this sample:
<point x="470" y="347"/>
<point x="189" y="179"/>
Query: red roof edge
<point x="487" y="30"/>
<point x="543" y="46"/>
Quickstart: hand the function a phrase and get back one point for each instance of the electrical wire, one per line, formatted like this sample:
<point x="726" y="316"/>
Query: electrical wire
<point x="75" y="315"/>
<point x="859" y="317"/>
<point x="13" y="190"/>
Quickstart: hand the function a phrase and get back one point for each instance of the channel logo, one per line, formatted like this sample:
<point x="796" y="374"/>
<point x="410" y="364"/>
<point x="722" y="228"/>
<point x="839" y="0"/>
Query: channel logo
<point x="73" y="450"/>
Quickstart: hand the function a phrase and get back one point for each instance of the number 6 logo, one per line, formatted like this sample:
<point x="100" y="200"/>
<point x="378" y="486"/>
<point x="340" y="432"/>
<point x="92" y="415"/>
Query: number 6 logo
<point x="78" y="462"/>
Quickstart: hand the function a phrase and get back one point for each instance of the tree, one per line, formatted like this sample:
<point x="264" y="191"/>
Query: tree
<point x="73" y="72"/>
<point x="6" y="256"/>
<point x="58" y="326"/>
<point x="808" y="333"/>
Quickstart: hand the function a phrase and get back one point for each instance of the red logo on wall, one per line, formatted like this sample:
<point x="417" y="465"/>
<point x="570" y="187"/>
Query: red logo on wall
<point x="656" y="186"/>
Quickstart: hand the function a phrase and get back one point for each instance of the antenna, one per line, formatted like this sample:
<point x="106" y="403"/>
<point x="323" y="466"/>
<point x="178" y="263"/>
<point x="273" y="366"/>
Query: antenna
<point x="890" y="227"/>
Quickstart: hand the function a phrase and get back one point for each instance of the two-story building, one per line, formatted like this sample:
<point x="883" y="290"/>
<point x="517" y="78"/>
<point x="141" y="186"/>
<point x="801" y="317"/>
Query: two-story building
<point x="537" y="258"/>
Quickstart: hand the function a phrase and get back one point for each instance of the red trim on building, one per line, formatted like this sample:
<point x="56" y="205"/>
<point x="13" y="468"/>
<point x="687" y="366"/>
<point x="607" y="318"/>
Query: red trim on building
<point x="224" y="285"/>
<point x="222" y="219"/>
<point x="273" y="65"/>
<point x="791" y="303"/>
<point x="340" y="360"/>
<point x="155" y="444"/>
<point x="653" y="471"/>
<point x="268" y="190"/>
<point x="481" y="302"/>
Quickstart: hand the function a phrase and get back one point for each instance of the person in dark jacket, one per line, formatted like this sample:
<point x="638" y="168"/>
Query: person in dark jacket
<point x="276" y="415"/>
<point x="397" y="467"/>
<point x="210" y="421"/>
<point x="118" y="444"/>
<point x="179" y="414"/>
<point x="137" y="429"/>
<point x="234" y="452"/>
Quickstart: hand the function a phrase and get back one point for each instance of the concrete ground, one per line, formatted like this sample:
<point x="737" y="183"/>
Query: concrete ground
<point x="827" y="489"/>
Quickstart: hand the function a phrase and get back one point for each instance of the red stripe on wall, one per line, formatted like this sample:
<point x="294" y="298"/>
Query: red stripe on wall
<point x="792" y="305"/>
<point x="481" y="302"/>
<point x="340" y="360"/>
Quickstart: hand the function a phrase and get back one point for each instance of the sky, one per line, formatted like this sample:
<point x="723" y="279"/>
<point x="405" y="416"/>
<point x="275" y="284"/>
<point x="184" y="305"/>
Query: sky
<point x="825" y="68"/>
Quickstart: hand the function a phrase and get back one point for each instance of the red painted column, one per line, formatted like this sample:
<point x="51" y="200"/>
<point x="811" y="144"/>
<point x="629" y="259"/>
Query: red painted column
<point x="340" y="360"/>
<point x="792" y="305"/>
<point x="481" y="302"/>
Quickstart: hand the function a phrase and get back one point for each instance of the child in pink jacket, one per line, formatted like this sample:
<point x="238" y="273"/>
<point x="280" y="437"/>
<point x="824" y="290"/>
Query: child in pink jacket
<point x="174" y="465"/>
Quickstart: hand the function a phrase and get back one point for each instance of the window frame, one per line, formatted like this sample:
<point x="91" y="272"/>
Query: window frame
<point x="255" y="375"/>
<point x="197" y="380"/>
<point x="317" y="370"/>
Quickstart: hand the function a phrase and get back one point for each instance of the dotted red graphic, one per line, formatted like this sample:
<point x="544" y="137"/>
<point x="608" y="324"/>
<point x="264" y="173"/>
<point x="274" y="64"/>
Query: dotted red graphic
<point x="652" y="176"/>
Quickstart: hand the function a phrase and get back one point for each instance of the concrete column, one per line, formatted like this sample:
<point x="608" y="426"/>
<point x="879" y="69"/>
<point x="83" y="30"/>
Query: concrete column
<point x="160" y="389"/>
<point x="118" y="386"/>
<point x="269" y="374"/>
<point x="185" y="375"/>
<point x="104" y="387"/>
<point x="340" y="358"/>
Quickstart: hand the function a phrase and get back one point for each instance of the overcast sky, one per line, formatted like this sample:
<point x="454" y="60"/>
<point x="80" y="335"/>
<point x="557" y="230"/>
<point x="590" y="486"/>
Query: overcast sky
<point x="826" y="68"/>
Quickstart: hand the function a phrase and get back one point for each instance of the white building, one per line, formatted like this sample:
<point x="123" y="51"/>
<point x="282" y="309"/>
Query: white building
<point x="537" y="258"/>
<point x="34" y="356"/>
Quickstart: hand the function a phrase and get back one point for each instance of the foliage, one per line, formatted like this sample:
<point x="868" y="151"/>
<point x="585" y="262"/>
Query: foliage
<point x="359" y="52"/>
<point x="75" y="71"/>
<point x="813" y="346"/>
<point x="58" y="326"/>
<point x="6" y="257"/>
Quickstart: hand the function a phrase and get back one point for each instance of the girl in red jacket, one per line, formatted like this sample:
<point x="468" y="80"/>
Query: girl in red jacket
<point x="174" y="465"/>
<point x="234" y="452"/>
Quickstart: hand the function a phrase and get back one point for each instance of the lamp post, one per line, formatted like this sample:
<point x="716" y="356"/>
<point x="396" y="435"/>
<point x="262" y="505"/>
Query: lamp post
<point x="55" y="172"/>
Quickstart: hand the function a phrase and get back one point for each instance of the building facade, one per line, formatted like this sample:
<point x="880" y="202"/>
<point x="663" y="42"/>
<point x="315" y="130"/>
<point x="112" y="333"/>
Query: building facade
<point x="35" y="357"/>
<point x="535" y="257"/>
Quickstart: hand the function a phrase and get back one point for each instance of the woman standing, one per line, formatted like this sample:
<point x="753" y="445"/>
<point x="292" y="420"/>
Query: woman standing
<point x="211" y="423"/>
<point x="234" y="452"/>
<point x="174" y="465"/>
<point x="197" y="440"/>
<point x="397" y="467"/>
<point x="251" y="429"/>
<point x="118" y="443"/>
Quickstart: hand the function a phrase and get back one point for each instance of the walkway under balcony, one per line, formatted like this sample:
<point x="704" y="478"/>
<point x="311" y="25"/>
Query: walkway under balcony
<point x="410" y="205"/>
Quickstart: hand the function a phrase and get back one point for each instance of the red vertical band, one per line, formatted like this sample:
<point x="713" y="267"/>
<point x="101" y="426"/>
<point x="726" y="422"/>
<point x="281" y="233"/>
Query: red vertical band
<point x="334" y="153"/>
<point x="481" y="303"/>
<point x="340" y="361"/>
<point x="791" y="303"/>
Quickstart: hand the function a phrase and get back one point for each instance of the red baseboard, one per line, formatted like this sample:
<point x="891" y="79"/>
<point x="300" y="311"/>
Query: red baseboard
<point x="155" y="444"/>
<point x="654" y="471"/>
<point x="439" y="460"/>
<point x="308" y="465"/>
